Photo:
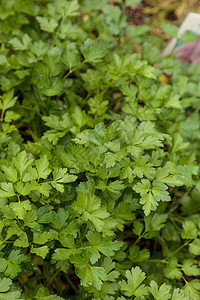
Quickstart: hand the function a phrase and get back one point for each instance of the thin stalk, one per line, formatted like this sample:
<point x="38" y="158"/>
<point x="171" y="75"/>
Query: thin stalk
<point x="72" y="284"/>
<point x="58" y="285"/>
<point x="2" y="115"/>
<point x="181" y="247"/>
<point x="53" y="277"/>
<point x="80" y="239"/>
<point x="58" y="29"/>
<point x="184" y="279"/>
<point x="67" y="74"/>
<point x="85" y="231"/>
<point x="174" y="223"/>
<point x="162" y="261"/>
<point x="139" y="238"/>
<point x="73" y="70"/>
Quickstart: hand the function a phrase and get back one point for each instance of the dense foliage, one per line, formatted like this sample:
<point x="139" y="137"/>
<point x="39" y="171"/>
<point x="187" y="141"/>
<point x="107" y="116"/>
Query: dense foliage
<point x="99" y="160"/>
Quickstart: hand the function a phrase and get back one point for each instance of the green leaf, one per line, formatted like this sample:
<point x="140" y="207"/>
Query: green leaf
<point x="20" y="208"/>
<point x="189" y="268"/>
<point x="30" y="175"/>
<point x="42" y="166"/>
<point x="79" y="117"/>
<point x="130" y="91"/>
<point x="115" y="186"/>
<point x="3" y="264"/>
<point x="26" y="188"/>
<point x="53" y="88"/>
<point x="138" y="227"/>
<point x="147" y="71"/>
<point x="5" y="284"/>
<point x="192" y="288"/>
<point x="40" y="251"/>
<point x="101" y="245"/>
<point x="170" y="29"/>
<point x="173" y="101"/>
<point x="66" y="239"/>
<point x="163" y="175"/>
<point x="8" y="212"/>
<point x="133" y="2"/>
<point x="21" y="44"/>
<point x="39" y="48"/>
<point x="61" y="254"/>
<point x="71" y="57"/>
<point x="171" y="270"/>
<point x="151" y="194"/>
<point x="48" y="25"/>
<point x="22" y="241"/>
<point x="153" y="223"/>
<point x="61" y="176"/>
<point x="179" y="295"/>
<point x="60" y="218"/>
<point x="161" y="293"/>
<point x="13" y="229"/>
<point x="51" y="297"/>
<point x="3" y="60"/>
<point x="189" y="36"/>
<point x="71" y="8"/>
<point x="40" y="293"/>
<point x="22" y="162"/>
<point x="189" y="231"/>
<point x="133" y="286"/>
<point x="7" y="190"/>
<point x="178" y="143"/>
<point x="45" y="214"/>
<point x="92" y="276"/>
<point x="194" y="247"/>
<point x="138" y="255"/>
<point x="13" y="263"/>
<point x="11" y="295"/>
<point x="142" y="167"/>
<point x="109" y="265"/>
<point x="94" y="50"/>
<point x="136" y="31"/>
<point x="30" y="218"/>
<point x="42" y="238"/>
<point x="7" y="100"/>
<point x="89" y="206"/>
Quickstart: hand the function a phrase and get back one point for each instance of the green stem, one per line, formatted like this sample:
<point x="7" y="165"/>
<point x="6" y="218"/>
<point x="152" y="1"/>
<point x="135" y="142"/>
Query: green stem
<point x="53" y="277"/>
<point x="174" y="223"/>
<point x="73" y="70"/>
<point x="67" y="74"/>
<point x="8" y="242"/>
<point x="72" y="284"/>
<point x="178" y="220"/>
<point x="181" y="247"/>
<point x="85" y="231"/>
<point x="58" y="285"/>
<point x="184" y="279"/>
<point x="139" y="238"/>
<point x="161" y="261"/>
<point x="2" y="115"/>
<point x="58" y="30"/>
<point x="80" y="239"/>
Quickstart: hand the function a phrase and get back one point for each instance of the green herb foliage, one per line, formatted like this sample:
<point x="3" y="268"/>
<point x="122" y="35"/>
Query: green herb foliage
<point x="99" y="160"/>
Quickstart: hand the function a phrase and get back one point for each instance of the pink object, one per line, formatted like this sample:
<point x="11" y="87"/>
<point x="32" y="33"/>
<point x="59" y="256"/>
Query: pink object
<point x="189" y="51"/>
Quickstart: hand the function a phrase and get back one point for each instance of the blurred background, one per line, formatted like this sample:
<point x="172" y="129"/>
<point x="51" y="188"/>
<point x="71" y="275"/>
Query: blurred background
<point x="154" y="12"/>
